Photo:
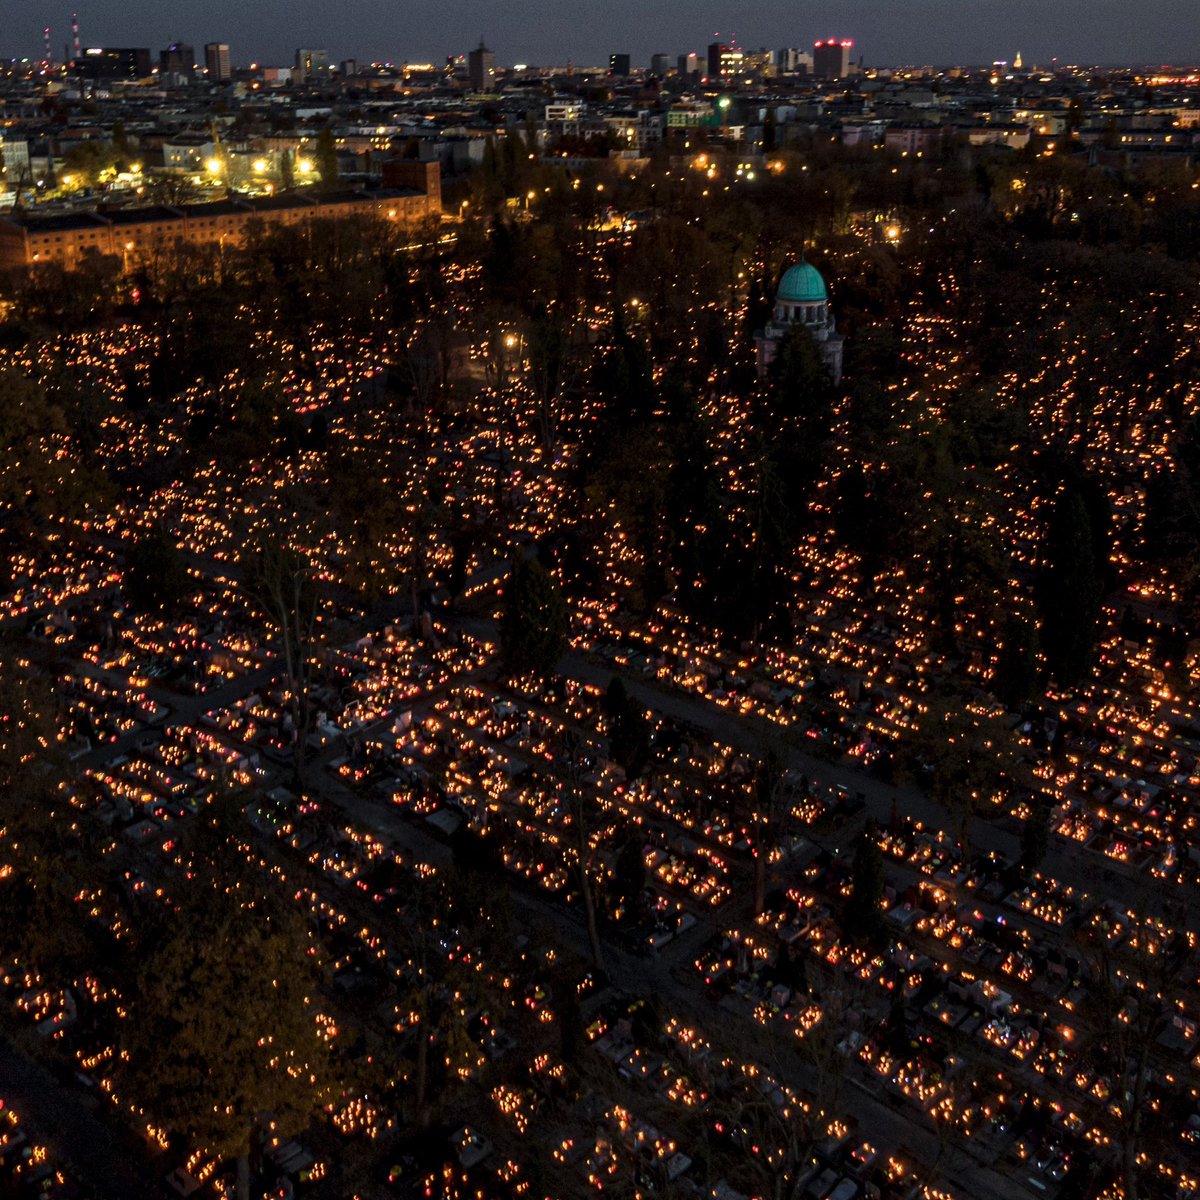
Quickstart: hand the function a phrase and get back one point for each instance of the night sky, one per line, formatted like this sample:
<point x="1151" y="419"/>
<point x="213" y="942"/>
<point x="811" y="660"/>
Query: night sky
<point x="548" y="31"/>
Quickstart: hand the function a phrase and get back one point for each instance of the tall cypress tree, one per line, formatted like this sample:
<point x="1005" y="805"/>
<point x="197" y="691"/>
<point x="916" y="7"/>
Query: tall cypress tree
<point x="533" y="627"/>
<point x="1071" y="590"/>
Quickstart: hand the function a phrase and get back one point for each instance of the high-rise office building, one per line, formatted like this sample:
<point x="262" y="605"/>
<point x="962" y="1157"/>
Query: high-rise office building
<point x="106" y="62"/>
<point x="831" y="58"/>
<point x="618" y="64"/>
<point x="723" y="60"/>
<point x="311" y="64"/>
<point x="481" y="68"/>
<point x="216" y="60"/>
<point x="660" y="65"/>
<point x="177" y="59"/>
<point x="689" y="64"/>
<point x="791" y="61"/>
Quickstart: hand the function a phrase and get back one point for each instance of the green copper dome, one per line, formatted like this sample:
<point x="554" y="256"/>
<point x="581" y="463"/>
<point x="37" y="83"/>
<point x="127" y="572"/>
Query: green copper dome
<point x="802" y="284"/>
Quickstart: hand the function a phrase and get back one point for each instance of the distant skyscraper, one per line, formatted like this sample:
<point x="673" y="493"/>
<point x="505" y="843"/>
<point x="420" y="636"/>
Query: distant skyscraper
<point x="723" y="60"/>
<point x="791" y="61"/>
<point x="831" y="58"/>
<point x="348" y="68"/>
<point x="177" y="59"/>
<point x="105" y="62"/>
<point x="618" y="64"/>
<point x="689" y="64"/>
<point x="216" y="59"/>
<point x="481" y="68"/>
<point x="312" y="64"/>
<point x="660" y="65"/>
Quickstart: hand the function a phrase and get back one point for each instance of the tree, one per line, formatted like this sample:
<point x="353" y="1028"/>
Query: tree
<point x="443" y="990"/>
<point x="156" y="577"/>
<point x="1136" y="982"/>
<point x="770" y="813"/>
<point x="967" y="755"/>
<point x="86" y="162"/>
<point x="770" y="131"/>
<point x="500" y="259"/>
<point x="572" y="1027"/>
<point x="222" y="1031"/>
<point x="42" y="477"/>
<point x="623" y="379"/>
<point x="628" y="730"/>
<point x="776" y="1129"/>
<point x="45" y="855"/>
<point x="571" y="767"/>
<point x="549" y="348"/>
<point x="1016" y="666"/>
<point x="1071" y="589"/>
<point x="285" y="585"/>
<point x="327" y="159"/>
<point x="423" y="366"/>
<point x="863" y="915"/>
<point x="1035" y="836"/>
<point x="533" y="625"/>
<point x="287" y="171"/>
<point x="629" y="874"/>
<point x="800" y="378"/>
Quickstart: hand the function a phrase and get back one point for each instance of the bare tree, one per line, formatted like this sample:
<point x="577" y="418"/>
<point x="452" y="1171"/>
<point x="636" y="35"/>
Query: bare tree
<point x="423" y="365"/>
<point x="1135" y="973"/>
<point x="550" y="366"/>
<point x="285" y="585"/>
<point x="770" y="811"/>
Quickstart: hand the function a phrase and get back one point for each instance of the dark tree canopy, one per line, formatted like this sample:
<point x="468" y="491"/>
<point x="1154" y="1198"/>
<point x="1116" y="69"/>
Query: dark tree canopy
<point x="533" y="626"/>
<point x="1072" y="589"/>
<point x="156" y="576"/>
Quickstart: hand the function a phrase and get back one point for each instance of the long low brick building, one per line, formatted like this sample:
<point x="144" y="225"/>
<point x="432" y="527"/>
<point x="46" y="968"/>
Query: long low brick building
<point x="136" y="233"/>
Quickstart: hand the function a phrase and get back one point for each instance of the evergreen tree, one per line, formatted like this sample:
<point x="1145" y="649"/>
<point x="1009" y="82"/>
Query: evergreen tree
<point x="629" y="733"/>
<point x="533" y="626"/>
<point x="800" y="378"/>
<point x="1035" y="837"/>
<point x="1017" y="667"/>
<point x="222" y="1028"/>
<point x="500" y="259"/>
<point x="327" y="159"/>
<point x="287" y="171"/>
<point x="770" y="132"/>
<point x="156" y="577"/>
<point x="629" y="873"/>
<point x="968" y="756"/>
<point x="1071" y="590"/>
<point x="863" y="916"/>
<point x="44" y="858"/>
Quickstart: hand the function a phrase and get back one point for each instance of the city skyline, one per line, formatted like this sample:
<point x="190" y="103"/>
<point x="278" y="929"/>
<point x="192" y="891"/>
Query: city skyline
<point x="936" y="32"/>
